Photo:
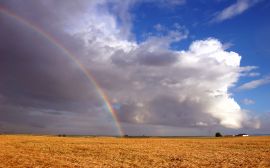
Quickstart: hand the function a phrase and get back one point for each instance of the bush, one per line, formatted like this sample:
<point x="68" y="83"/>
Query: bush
<point x="218" y="134"/>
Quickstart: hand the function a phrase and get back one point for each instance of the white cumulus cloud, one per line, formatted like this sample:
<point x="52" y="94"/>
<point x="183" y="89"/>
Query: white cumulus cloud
<point x="176" y="88"/>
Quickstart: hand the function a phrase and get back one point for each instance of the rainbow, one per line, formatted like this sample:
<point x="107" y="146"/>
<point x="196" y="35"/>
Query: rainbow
<point x="72" y="57"/>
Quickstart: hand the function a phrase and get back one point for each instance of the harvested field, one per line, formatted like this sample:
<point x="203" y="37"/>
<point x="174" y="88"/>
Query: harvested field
<point x="50" y="151"/>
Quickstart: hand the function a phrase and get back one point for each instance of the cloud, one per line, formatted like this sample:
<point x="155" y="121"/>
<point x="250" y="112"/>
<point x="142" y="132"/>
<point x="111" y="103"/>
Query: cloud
<point x="254" y="84"/>
<point x="227" y="45"/>
<point x="181" y="91"/>
<point x="247" y="71"/>
<point x="248" y="101"/>
<point x="174" y="2"/>
<point x="38" y="80"/>
<point x="235" y="9"/>
<point x="253" y="74"/>
<point x="151" y="85"/>
<point x="159" y="27"/>
<point x="265" y="126"/>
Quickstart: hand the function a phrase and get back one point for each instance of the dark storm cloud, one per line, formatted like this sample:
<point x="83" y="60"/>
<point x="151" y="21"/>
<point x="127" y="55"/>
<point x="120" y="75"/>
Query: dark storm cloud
<point x="37" y="77"/>
<point x="21" y="116"/>
<point x="31" y="65"/>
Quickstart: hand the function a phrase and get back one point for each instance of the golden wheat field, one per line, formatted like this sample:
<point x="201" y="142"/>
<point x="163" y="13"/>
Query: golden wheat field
<point x="50" y="151"/>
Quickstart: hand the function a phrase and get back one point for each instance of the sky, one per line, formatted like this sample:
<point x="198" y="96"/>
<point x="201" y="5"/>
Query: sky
<point x="135" y="67"/>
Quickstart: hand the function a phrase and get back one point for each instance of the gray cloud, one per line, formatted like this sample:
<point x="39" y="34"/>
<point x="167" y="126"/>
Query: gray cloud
<point x="265" y="126"/>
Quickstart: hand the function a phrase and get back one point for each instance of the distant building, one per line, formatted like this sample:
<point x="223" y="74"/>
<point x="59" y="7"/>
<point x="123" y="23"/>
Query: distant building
<point x="242" y="135"/>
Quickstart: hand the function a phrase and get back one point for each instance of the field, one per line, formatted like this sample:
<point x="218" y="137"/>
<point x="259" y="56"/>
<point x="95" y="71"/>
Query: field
<point x="50" y="151"/>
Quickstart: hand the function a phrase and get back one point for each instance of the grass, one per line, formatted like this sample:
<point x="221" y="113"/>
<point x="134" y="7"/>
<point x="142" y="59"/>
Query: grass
<point x="50" y="151"/>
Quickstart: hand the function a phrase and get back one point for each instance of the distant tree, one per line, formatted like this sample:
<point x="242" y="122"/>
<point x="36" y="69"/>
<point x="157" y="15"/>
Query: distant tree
<point x="126" y="135"/>
<point x="218" y="134"/>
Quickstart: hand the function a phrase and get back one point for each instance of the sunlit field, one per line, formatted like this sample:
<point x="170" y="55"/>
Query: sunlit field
<point x="50" y="151"/>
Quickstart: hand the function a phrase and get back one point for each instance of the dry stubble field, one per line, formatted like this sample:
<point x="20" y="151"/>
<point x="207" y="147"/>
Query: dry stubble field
<point x="49" y="151"/>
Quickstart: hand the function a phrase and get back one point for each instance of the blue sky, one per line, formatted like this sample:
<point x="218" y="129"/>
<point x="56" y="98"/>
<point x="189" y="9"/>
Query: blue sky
<point x="166" y="67"/>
